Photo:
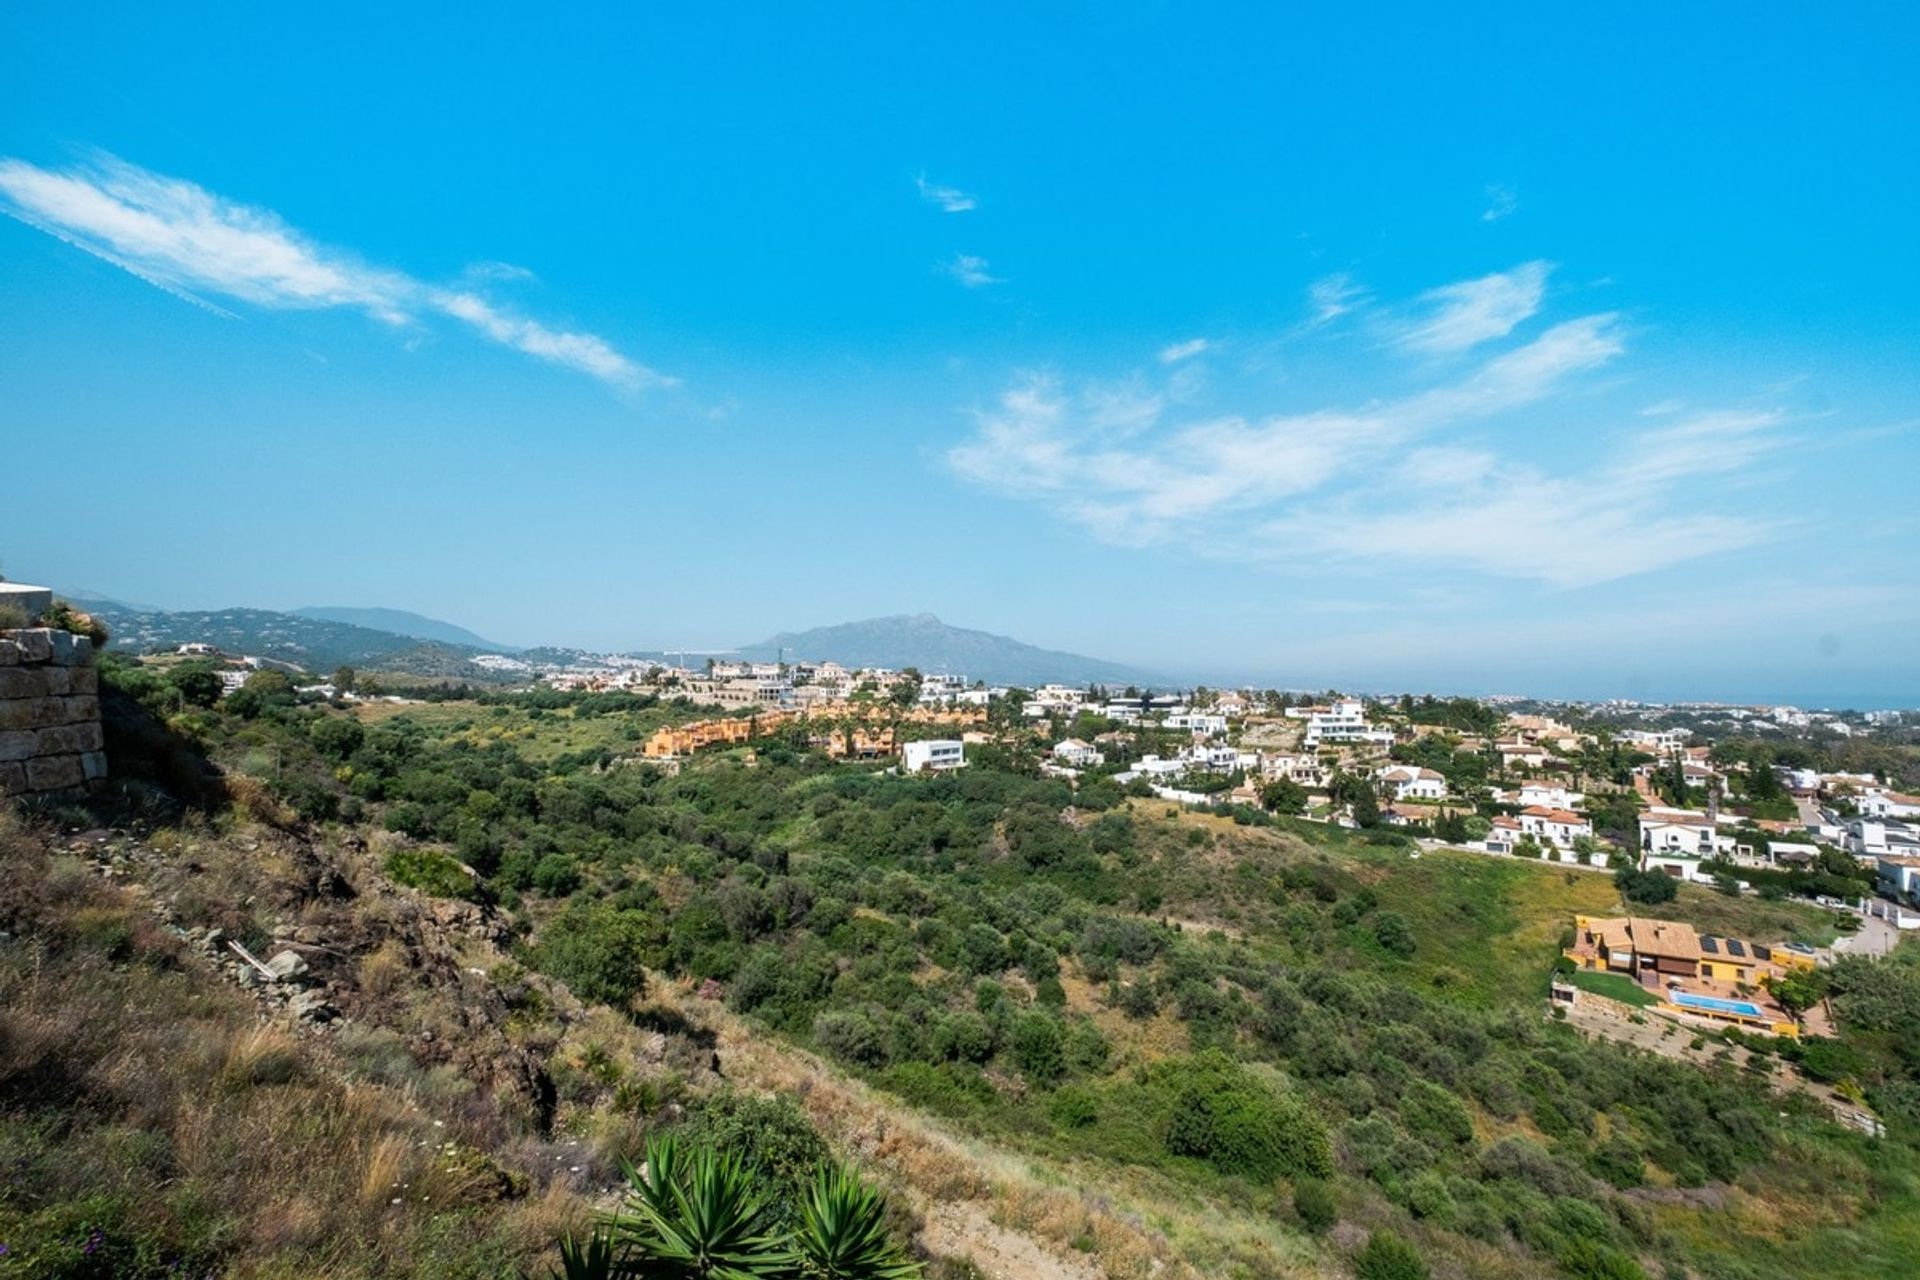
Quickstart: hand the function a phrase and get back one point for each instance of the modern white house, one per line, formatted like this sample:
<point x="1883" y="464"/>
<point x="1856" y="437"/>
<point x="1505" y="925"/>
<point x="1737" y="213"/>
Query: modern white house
<point x="1551" y="795"/>
<point x="1199" y="722"/>
<point x="1409" y="782"/>
<point x="1869" y="838"/>
<point x="933" y="755"/>
<point x="1344" y="723"/>
<point x="1657" y="741"/>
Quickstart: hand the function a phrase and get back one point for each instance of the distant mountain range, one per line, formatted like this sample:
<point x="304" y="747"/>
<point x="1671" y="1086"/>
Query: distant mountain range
<point x="323" y="638"/>
<point x="402" y="623"/>
<point x="315" y="644"/>
<point x="922" y="640"/>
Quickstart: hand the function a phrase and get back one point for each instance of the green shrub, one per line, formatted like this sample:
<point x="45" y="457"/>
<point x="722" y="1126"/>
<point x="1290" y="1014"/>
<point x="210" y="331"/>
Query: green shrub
<point x="430" y="871"/>
<point x="1073" y="1107"/>
<point x="1241" y="1125"/>
<point x="1388" y="1257"/>
<point x="1432" y="1112"/>
<point x="771" y="1137"/>
<point x="597" y="950"/>
<point x="851" y="1036"/>
<point x="1313" y="1202"/>
<point x="1393" y="934"/>
<point x="1037" y="1048"/>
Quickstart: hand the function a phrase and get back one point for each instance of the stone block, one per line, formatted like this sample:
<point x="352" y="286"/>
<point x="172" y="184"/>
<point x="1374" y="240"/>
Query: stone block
<point x="13" y="778"/>
<point x="25" y="682"/>
<point x="93" y="764"/>
<point x="83" y="680"/>
<point x="52" y="773"/>
<point x="68" y="739"/>
<point x="69" y="650"/>
<point x="10" y="652"/>
<point x="17" y="744"/>
<point x="36" y="644"/>
<point x="80" y="709"/>
<point x="33" y="713"/>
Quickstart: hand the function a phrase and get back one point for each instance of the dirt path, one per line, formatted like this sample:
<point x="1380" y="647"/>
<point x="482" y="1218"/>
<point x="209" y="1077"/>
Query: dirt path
<point x="982" y="1205"/>
<point x="962" y="1229"/>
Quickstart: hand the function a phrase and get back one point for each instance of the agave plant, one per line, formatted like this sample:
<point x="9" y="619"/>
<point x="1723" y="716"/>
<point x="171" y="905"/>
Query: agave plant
<point x="842" y="1234"/>
<point x="694" y="1217"/>
<point x="594" y="1258"/>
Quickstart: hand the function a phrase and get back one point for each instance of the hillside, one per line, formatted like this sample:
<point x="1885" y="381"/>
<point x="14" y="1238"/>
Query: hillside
<point x="1262" y="1043"/>
<point x="401" y="622"/>
<point x="314" y="644"/>
<point x="924" y="641"/>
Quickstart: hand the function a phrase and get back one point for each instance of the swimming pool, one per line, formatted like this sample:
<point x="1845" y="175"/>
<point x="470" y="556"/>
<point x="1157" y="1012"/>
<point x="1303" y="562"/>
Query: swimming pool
<point x="1688" y="1000"/>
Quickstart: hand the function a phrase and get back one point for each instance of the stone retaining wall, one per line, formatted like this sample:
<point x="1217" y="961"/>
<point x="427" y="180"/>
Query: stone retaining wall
<point x="50" y="735"/>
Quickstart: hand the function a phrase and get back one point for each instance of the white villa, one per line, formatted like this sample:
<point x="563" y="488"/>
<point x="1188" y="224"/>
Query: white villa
<point x="1411" y="783"/>
<point x="1076" y="754"/>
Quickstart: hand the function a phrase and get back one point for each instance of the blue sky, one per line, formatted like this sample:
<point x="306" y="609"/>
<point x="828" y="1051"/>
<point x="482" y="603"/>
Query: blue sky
<point x="1498" y="350"/>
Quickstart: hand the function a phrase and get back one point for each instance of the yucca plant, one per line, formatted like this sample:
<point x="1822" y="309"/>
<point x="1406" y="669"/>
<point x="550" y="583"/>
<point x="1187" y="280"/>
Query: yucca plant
<point x="842" y="1232"/>
<point x="594" y="1258"/>
<point x="694" y="1217"/>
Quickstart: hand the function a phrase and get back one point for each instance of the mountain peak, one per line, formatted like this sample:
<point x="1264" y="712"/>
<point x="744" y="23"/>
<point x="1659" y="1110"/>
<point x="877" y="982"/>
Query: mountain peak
<point x="922" y="640"/>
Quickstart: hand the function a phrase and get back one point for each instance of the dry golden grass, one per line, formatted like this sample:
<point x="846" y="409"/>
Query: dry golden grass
<point x="274" y="1165"/>
<point x="930" y="1165"/>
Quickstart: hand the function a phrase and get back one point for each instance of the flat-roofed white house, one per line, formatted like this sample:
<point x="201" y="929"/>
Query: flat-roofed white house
<point x="1201" y="722"/>
<point x="1344" y="722"/>
<point x="1552" y="795"/>
<point x="933" y="755"/>
<point x="1409" y="782"/>
<point x="1868" y="838"/>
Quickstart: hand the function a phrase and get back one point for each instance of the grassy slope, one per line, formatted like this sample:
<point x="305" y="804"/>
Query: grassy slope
<point x="141" y="1098"/>
<point x="1487" y="929"/>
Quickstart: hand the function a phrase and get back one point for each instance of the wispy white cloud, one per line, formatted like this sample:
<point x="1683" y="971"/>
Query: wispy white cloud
<point x="970" y="270"/>
<point x="1403" y="481"/>
<point x="950" y="199"/>
<point x="1516" y="519"/>
<point x="1458" y="316"/>
<point x="1178" y="482"/>
<point x="1331" y="297"/>
<point x="1501" y="201"/>
<point x="192" y="242"/>
<point x="1179" y="351"/>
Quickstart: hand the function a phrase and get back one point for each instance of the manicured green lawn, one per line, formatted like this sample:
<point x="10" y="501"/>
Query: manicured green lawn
<point x="1615" y="986"/>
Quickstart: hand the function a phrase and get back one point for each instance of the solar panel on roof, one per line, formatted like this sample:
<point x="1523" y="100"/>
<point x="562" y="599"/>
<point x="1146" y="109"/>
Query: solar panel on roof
<point x="1710" y="945"/>
<point x="1762" y="953"/>
<point x="1734" y="947"/>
